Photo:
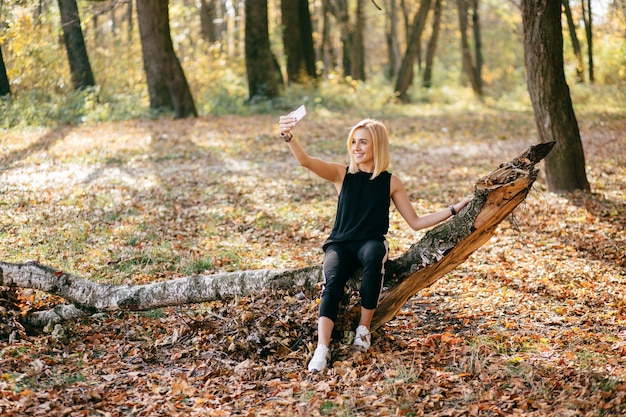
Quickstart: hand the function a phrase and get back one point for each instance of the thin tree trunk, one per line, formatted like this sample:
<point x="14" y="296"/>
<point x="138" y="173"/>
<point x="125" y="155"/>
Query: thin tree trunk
<point x="550" y="97"/>
<point x="432" y="46"/>
<point x="339" y="9"/>
<point x="440" y="250"/>
<point x="82" y="76"/>
<point x="478" y="48"/>
<point x="129" y="22"/>
<point x="406" y="18"/>
<point x="393" y="48"/>
<point x="306" y="33"/>
<point x="358" y="45"/>
<point x="405" y="76"/>
<point x="580" y="71"/>
<point x="468" y="65"/>
<point x="589" y="34"/>
<point x="327" y="50"/>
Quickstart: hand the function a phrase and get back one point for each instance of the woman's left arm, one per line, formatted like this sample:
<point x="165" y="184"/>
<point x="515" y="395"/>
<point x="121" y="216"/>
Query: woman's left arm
<point x="405" y="208"/>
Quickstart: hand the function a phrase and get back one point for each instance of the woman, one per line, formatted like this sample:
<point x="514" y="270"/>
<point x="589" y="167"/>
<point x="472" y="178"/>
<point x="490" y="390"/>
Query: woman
<point x="365" y="189"/>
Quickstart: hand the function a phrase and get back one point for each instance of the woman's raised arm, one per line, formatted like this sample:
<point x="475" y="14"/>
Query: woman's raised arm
<point x="329" y="171"/>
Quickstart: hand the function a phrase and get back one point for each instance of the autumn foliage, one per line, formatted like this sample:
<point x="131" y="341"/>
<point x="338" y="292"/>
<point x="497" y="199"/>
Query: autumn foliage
<point x="534" y="323"/>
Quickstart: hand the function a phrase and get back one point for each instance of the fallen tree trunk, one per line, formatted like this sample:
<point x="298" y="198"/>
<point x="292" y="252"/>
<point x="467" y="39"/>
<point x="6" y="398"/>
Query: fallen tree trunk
<point x="437" y="253"/>
<point x="452" y="243"/>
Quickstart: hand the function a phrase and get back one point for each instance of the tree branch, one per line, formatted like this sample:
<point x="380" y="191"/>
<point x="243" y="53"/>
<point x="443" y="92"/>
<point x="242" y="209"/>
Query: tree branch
<point x="450" y="244"/>
<point x="440" y="250"/>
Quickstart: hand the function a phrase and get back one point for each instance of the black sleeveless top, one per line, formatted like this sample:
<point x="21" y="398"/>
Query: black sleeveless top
<point x="363" y="208"/>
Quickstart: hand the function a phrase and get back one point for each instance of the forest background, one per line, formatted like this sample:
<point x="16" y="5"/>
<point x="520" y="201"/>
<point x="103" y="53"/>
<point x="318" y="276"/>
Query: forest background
<point x="97" y="183"/>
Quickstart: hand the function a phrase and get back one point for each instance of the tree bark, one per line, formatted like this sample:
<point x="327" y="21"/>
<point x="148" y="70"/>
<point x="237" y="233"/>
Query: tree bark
<point x="438" y="252"/>
<point x="549" y="93"/>
<point x="167" y="85"/>
<point x="82" y="76"/>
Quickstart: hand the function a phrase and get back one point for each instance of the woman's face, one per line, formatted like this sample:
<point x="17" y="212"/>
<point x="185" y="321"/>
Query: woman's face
<point x="363" y="149"/>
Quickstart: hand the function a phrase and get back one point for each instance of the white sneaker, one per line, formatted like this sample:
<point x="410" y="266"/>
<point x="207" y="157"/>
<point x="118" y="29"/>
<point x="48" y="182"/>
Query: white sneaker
<point x="363" y="337"/>
<point x="319" y="360"/>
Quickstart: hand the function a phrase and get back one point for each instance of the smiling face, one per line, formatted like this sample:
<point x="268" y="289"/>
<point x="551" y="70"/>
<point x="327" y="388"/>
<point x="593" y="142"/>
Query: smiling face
<point x="363" y="149"/>
<point x="368" y="146"/>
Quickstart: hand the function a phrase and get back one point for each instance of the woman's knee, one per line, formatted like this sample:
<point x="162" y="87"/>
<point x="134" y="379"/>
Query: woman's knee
<point x="373" y="249"/>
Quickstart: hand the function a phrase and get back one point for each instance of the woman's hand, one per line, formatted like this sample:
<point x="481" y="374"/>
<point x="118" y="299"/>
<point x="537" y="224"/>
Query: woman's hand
<point x="458" y="206"/>
<point x="287" y="123"/>
<point x="465" y="201"/>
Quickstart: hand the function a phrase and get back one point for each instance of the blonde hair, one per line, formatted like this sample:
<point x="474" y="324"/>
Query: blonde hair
<point x="380" y="144"/>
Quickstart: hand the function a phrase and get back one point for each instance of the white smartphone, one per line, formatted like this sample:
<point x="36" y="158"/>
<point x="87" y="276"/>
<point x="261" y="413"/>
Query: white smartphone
<point x="299" y="113"/>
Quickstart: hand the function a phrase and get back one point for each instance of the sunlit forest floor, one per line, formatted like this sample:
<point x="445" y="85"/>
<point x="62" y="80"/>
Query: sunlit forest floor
<point x="533" y="323"/>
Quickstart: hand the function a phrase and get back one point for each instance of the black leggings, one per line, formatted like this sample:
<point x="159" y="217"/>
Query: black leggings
<point x="341" y="260"/>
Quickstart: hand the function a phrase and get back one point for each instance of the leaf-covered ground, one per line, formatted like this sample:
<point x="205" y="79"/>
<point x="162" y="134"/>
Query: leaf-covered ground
<point x="533" y="324"/>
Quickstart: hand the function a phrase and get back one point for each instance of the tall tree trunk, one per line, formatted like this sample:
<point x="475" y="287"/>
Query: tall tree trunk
<point x="405" y="76"/>
<point x="358" y="45"/>
<point x="549" y="93"/>
<point x="263" y="79"/>
<point x="580" y="71"/>
<point x="391" y="33"/>
<point x="5" y="86"/>
<point x="478" y="47"/>
<point x="298" y="40"/>
<point x="440" y="250"/>
<point x="306" y="33"/>
<point x="292" y="40"/>
<point x="82" y="76"/>
<point x="468" y="63"/>
<point x="589" y="34"/>
<point x="406" y="18"/>
<point x="327" y="50"/>
<point x="208" y="14"/>
<point x="129" y="22"/>
<point x="432" y="46"/>
<point x="167" y="85"/>
<point x="339" y="9"/>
